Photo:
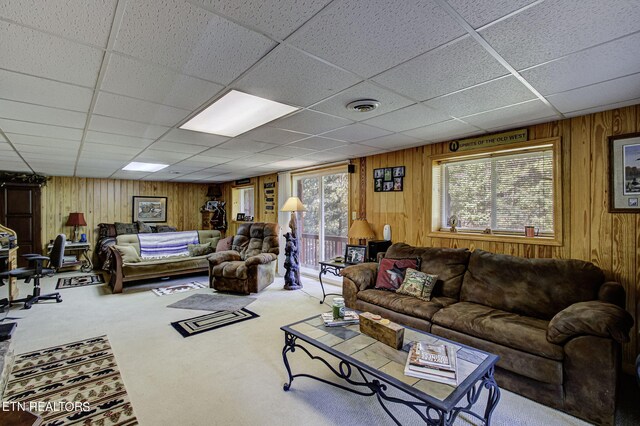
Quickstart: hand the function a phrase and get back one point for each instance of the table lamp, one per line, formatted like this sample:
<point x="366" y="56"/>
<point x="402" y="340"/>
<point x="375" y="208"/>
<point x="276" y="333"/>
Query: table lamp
<point x="293" y="205"/>
<point x="75" y="220"/>
<point x="361" y="230"/>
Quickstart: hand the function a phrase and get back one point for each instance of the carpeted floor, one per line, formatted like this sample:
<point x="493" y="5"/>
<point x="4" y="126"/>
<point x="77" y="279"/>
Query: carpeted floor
<point x="233" y="375"/>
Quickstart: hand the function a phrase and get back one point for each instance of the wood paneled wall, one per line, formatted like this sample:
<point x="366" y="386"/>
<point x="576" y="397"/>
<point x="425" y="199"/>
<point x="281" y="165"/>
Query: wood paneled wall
<point x="611" y="241"/>
<point x="110" y="200"/>
<point x="261" y="215"/>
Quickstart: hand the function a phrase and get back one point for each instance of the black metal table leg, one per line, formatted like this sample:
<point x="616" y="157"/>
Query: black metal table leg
<point x="334" y="270"/>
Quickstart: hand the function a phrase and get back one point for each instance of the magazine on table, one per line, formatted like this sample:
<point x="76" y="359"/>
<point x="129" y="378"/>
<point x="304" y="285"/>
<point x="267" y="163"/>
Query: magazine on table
<point x="350" y="317"/>
<point x="426" y="368"/>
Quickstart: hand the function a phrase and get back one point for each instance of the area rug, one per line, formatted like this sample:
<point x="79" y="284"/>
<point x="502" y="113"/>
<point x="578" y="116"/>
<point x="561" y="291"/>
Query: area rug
<point x="75" y="383"/>
<point x="178" y="288"/>
<point x="213" y="302"/>
<point x="208" y="322"/>
<point x="80" y="281"/>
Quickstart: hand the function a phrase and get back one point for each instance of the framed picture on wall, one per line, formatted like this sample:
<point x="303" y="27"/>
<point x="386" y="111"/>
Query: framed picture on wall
<point x="149" y="209"/>
<point x="388" y="174"/>
<point x="377" y="185"/>
<point x="398" y="171"/>
<point x="624" y="173"/>
<point x="378" y="173"/>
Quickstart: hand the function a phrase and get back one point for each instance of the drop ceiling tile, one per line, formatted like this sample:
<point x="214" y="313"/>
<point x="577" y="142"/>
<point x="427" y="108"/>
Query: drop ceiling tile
<point x="53" y="147"/>
<point x="494" y="94"/>
<point x="293" y="163"/>
<point x="40" y="114"/>
<point x="245" y="145"/>
<point x="202" y="162"/>
<point x="365" y="37"/>
<point x="608" y="92"/>
<point x="392" y="141"/>
<point x="93" y="173"/>
<point x="34" y="129"/>
<point x="337" y="105"/>
<point x="117" y="140"/>
<point x="127" y="174"/>
<point x="60" y="157"/>
<point x="181" y="36"/>
<point x="53" y="171"/>
<point x="527" y="111"/>
<point x="126" y="76"/>
<point x="88" y="154"/>
<point x="310" y="122"/>
<point x="455" y="66"/>
<point x="34" y="90"/>
<point x="480" y="12"/>
<point x="447" y="130"/>
<point x="289" y="76"/>
<point x="549" y="30"/>
<point x="101" y="164"/>
<point x="607" y="61"/>
<point x="273" y="135"/>
<point x="97" y="148"/>
<point x="245" y="163"/>
<point x="608" y="107"/>
<point x="155" y="156"/>
<point x="289" y="151"/>
<point x="217" y="153"/>
<point x="356" y="133"/>
<point x="123" y="127"/>
<point x="265" y="157"/>
<point x="137" y="110"/>
<point x="407" y="118"/>
<point x="355" y="149"/>
<point x="16" y="165"/>
<point x="220" y="169"/>
<point x="41" y="141"/>
<point x="32" y="52"/>
<point x="178" y="147"/>
<point x="317" y="143"/>
<point x="194" y="138"/>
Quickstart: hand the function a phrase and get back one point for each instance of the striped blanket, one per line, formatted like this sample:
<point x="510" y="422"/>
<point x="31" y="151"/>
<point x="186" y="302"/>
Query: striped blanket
<point x="166" y="244"/>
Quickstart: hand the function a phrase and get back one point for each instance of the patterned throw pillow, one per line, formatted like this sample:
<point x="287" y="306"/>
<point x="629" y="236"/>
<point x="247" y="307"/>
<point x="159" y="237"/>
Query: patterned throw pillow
<point x="224" y="244"/>
<point x="107" y="230"/>
<point x="143" y="228"/>
<point x="126" y="228"/>
<point x="418" y="284"/>
<point x="199" y="249"/>
<point x="391" y="272"/>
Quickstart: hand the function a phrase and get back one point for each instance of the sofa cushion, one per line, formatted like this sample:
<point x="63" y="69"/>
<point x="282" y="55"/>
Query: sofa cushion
<point x="448" y="264"/>
<point x="417" y="284"/>
<point x="200" y="249"/>
<point x="165" y="267"/>
<point x="234" y="269"/>
<point x="533" y="287"/>
<point x="126" y="228"/>
<point x="525" y="333"/>
<point x="256" y="237"/>
<point x="391" y="272"/>
<point x="404" y="304"/>
<point x="128" y="254"/>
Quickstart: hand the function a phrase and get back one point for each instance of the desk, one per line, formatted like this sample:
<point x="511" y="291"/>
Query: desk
<point x="80" y="249"/>
<point x="334" y="268"/>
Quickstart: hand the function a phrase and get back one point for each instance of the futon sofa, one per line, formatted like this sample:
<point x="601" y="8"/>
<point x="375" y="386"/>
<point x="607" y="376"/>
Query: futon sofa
<point x="140" y="268"/>
<point x="556" y="324"/>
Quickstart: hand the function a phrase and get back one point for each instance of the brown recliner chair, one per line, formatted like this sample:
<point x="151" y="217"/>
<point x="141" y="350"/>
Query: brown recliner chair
<point x="250" y="265"/>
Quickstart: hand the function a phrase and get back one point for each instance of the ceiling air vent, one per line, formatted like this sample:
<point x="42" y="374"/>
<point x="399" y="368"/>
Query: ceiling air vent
<point x="363" y="105"/>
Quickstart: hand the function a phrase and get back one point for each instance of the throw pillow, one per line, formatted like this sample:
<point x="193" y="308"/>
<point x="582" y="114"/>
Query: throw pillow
<point x="165" y="228"/>
<point x="129" y="254"/>
<point x="107" y="230"/>
<point x="143" y="228"/>
<point x="391" y="272"/>
<point x="126" y="228"/>
<point x="418" y="284"/>
<point x="224" y="244"/>
<point x="199" y="249"/>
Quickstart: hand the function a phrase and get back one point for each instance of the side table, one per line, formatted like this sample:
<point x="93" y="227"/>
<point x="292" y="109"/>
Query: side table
<point x="331" y="267"/>
<point x="80" y="249"/>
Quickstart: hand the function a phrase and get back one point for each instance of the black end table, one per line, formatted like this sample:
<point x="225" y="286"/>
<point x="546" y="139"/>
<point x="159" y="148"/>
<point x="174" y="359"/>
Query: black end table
<point x="331" y="267"/>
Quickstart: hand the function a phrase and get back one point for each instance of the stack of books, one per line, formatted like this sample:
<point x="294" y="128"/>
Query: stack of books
<point x="437" y="363"/>
<point x="350" y="317"/>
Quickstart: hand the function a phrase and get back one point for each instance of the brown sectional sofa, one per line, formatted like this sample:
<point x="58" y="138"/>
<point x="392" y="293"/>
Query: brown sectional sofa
<point x="556" y="324"/>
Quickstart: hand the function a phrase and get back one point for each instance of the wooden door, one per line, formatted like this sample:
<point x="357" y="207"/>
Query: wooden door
<point x="20" y="211"/>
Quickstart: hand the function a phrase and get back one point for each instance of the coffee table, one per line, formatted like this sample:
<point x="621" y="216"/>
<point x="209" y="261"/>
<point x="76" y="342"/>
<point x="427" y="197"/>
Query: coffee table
<point x="373" y="368"/>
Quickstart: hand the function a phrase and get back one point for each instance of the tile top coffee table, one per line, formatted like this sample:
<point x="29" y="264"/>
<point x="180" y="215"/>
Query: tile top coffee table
<point x="371" y="368"/>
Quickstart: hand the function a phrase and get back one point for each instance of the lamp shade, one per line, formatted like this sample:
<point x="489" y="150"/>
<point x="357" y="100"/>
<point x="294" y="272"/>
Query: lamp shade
<point x="76" y="219"/>
<point x="361" y="230"/>
<point x="214" y="191"/>
<point x="293" y="204"/>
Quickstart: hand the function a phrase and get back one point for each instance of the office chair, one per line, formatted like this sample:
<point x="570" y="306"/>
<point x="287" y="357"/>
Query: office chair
<point x="35" y="271"/>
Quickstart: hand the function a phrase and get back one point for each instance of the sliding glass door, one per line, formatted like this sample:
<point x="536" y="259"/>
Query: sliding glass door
<point x="324" y="226"/>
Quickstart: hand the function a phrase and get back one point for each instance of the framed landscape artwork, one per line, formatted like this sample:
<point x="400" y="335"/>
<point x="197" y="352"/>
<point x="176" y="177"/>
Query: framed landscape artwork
<point x="150" y="209"/>
<point x="624" y="173"/>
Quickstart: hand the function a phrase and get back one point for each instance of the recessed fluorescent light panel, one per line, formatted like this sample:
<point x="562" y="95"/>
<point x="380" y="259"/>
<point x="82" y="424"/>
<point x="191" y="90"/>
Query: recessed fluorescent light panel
<point x="144" y="167"/>
<point x="236" y="113"/>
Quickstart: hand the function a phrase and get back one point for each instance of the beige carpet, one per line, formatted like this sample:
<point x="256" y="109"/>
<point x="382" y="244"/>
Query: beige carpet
<point x="232" y="375"/>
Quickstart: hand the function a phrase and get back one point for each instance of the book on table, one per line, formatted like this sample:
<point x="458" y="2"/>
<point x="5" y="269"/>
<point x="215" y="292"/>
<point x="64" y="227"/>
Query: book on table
<point x="350" y="317"/>
<point x="437" y="363"/>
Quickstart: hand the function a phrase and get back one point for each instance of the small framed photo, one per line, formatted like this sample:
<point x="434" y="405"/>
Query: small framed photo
<point x="398" y="171"/>
<point x="397" y="184"/>
<point x="624" y="173"/>
<point x="387" y="186"/>
<point x="355" y="254"/>
<point x="633" y="202"/>
<point x="377" y="185"/>
<point x="388" y="174"/>
<point x="378" y="173"/>
<point x="240" y="217"/>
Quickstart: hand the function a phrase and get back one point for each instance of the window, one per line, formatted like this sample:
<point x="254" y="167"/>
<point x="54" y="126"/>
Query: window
<point x="243" y="201"/>
<point x="503" y="190"/>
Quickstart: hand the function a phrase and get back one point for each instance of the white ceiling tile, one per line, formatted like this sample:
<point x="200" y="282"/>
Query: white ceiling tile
<point x="317" y="143"/>
<point x="68" y="148"/>
<point x="447" y="130"/>
<point x="289" y="151"/>
<point x="607" y="61"/>
<point x="407" y="118"/>
<point x="273" y="135"/>
<point x="34" y="90"/>
<point x="194" y="138"/>
<point x="178" y="147"/>
<point x="137" y="110"/>
<point x="194" y="41"/>
<point x="244" y="163"/>
<point x="117" y="140"/>
<point x="101" y="164"/>
<point x="293" y="163"/>
<point x="42" y="141"/>
<point x="392" y="141"/>
<point x="127" y="174"/>
<point x="369" y="37"/>
<point x="494" y="94"/>
<point x="93" y="173"/>
<point x="34" y="129"/>
<point x="291" y="77"/>
<point x="53" y="171"/>
<point x="266" y="157"/>
<point x="608" y="92"/>
<point x="152" y="155"/>
<point x="97" y="148"/>
<point x="310" y="122"/>
<point x="217" y="153"/>
<point x="221" y="168"/>
<point x="354" y="149"/>
<point x="245" y="145"/>
<point x="40" y="114"/>
<point x="115" y="156"/>
<point x="455" y="66"/>
<point x="577" y="113"/>
<point x="356" y="133"/>
<point x="552" y="29"/>
<point x="531" y="110"/>
<point x="14" y="165"/>
<point x="198" y="162"/>
<point x="123" y="127"/>
<point x="480" y="12"/>
<point x="31" y="52"/>
<point x="129" y="77"/>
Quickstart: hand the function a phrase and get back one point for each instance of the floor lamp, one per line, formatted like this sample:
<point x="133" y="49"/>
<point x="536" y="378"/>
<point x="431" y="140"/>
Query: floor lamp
<point x="291" y="251"/>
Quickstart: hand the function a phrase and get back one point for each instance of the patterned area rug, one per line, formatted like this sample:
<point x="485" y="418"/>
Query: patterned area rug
<point x="213" y="302"/>
<point x="80" y="281"/>
<point x="192" y="326"/>
<point x="179" y="288"/>
<point x="75" y="383"/>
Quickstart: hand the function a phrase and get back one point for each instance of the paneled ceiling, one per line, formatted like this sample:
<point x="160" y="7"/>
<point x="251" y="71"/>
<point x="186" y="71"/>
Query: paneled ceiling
<point x="87" y="86"/>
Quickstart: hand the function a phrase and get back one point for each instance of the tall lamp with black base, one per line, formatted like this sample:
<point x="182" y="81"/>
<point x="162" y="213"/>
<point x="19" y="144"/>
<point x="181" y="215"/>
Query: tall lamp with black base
<point x="291" y="251"/>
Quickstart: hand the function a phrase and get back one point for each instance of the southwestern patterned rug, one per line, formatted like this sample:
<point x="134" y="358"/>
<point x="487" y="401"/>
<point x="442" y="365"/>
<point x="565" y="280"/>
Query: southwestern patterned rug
<point x="178" y="288"/>
<point x="208" y="322"/>
<point x="75" y="383"/>
<point x="213" y="302"/>
<point x="80" y="281"/>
